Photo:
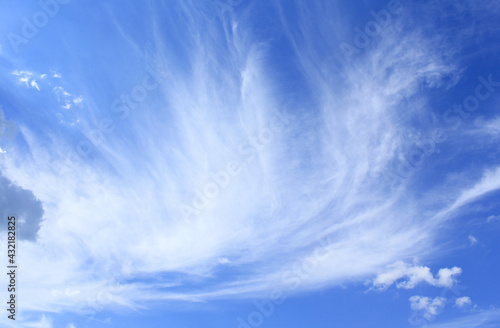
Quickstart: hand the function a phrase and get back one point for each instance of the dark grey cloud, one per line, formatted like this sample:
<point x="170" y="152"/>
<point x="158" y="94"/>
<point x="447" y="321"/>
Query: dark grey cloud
<point x="23" y="204"/>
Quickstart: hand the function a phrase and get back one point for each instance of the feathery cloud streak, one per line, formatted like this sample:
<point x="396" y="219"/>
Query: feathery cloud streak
<point x="322" y="178"/>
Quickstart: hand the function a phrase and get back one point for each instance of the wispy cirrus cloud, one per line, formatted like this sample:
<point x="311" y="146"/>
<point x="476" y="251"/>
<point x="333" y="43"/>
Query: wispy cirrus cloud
<point x="492" y="218"/>
<point x="485" y="318"/>
<point x="487" y="127"/>
<point x="322" y="178"/>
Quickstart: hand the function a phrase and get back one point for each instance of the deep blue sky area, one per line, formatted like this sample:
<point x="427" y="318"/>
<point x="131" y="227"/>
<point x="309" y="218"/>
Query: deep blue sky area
<point x="251" y="163"/>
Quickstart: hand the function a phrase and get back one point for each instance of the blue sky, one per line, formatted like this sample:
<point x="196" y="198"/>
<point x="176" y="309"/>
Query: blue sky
<point x="248" y="163"/>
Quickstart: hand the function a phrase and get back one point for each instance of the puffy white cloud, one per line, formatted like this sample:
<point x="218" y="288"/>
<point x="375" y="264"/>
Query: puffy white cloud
<point x="427" y="306"/>
<point x="412" y="275"/>
<point x="472" y="240"/>
<point x="447" y="277"/>
<point x="78" y="100"/>
<point x="463" y="301"/>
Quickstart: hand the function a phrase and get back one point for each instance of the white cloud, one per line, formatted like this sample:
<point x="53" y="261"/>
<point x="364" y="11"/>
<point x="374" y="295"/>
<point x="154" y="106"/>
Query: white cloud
<point x="492" y="218"/>
<point x="78" y="100"/>
<point x="34" y="85"/>
<point x="427" y="306"/>
<point x="446" y="277"/>
<point x="472" y="240"/>
<point x="67" y="98"/>
<point x="43" y="323"/>
<point x="414" y="275"/>
<point x="59" y="91"/>
<point x="22" y="73"/>
<point x="488" y="127"/>
<point x="26" y="77"/>
<point x="320" y="179"/>
<point x="482" y="319"/>
<point x="463" y="301"/>
<point x="224" y="260"/>
<point x="489" y="182"/>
